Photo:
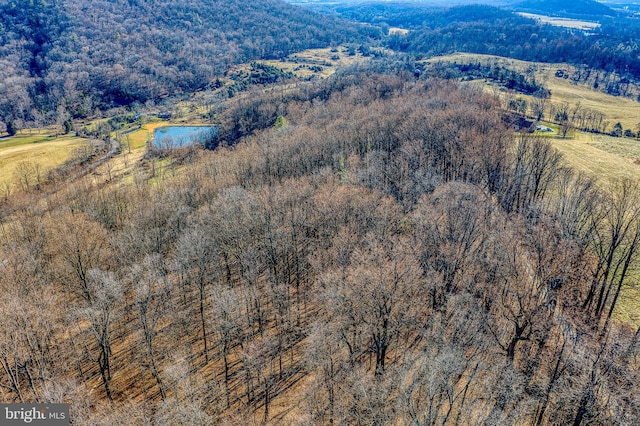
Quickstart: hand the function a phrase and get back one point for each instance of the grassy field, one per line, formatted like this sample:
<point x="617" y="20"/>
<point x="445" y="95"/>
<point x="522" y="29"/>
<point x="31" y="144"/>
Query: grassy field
<point x="318" y="62"/>
<point x="608" y="159"/>
<point x="40" y="148"/>
<point x="604" y="157"/>
<point x="133" y="162"/>
<point x="562" y="22"/>
<point x="601" y="155"/>
<point x="138" y="138"/>
<point x="615" y="108"/>
<point x="628" y="305"/>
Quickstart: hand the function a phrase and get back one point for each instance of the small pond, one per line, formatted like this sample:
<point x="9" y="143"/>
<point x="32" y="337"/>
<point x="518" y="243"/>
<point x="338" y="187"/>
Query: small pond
<point x="176" y="136"/>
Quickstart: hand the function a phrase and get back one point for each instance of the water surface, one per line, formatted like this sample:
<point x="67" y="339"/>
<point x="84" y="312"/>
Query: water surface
<point x="176" y="136"/>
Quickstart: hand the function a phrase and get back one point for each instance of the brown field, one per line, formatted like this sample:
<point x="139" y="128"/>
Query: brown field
<point x="562" y="22"/>
<point x="302" y="64"/>
<point x="40" y="148"/>
<point x="616" y="108"/>
<point x="627" y="307"/>
<point x="604" y="157"/>
<point x="608" y="159"/>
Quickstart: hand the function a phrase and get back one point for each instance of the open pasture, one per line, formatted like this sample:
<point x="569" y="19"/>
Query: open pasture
<point x="563" y="90"/>
<point x="604" y="157"/>
<point x="40" y="148"/>
<point x="318" y="62"/>
<point x="138" y="139"/>
<point x="575" y="24"/>
<point x="615" y="108"/>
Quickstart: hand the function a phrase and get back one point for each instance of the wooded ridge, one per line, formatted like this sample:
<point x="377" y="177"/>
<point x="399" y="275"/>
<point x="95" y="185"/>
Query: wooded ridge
<point x="390" y="253"/>
<point x="376" y="247"/>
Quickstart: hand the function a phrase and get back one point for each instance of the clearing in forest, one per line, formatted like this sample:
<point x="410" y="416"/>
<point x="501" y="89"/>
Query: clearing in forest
<point x="575" y="24"/>
<point x="318" y="62"/>
<point x="38" y="148"/>
<point x="604" y="157"/>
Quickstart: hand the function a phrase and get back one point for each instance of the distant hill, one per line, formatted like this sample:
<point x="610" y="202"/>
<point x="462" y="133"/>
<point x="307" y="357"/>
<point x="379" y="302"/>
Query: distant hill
<point x="68" y="57"/>
<point x="566" y="7"/>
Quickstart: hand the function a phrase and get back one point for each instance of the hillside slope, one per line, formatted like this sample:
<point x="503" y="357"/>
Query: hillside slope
<point x="567" y="8"/>
<point x="393" y="252"/>
<point x="71" y="56"/>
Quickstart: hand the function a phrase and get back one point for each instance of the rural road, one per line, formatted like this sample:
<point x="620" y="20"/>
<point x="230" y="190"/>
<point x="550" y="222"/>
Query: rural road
<point x="115" y="148"/>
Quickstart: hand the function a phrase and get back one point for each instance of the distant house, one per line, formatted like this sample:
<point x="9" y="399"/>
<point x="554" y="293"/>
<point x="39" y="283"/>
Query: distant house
<point x="562" y="74"/>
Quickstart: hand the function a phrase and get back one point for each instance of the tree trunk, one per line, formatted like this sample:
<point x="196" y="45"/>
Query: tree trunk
<point x="226" y="372"/>
<point x="582" y="409"/>
<point x="203" y="324"/>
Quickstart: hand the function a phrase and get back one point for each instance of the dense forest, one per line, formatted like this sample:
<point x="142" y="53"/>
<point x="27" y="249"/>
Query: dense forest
<point x="490" y="30"/>
<point x="391" y="253"/>
<point x="65" y="59"/>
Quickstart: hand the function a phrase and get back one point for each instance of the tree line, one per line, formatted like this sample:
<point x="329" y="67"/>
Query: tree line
<point x="502" y="76"/>
<point x="611" y="48"/>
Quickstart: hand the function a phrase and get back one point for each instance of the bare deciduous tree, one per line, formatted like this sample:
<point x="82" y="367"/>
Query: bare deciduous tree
<point x="104" y="293"/>
<point x="374" y="296"/>
<point x="227" y="311"/>
<point x="616" y="242"/>
<point x="152" y="289"/>
<point x="197" y="258"/>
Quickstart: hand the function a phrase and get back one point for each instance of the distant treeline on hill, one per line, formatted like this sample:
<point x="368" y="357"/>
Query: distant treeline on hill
<point x="490" y="30"/>
<point x="503" y="76"/>
<point x="573" y="8"/>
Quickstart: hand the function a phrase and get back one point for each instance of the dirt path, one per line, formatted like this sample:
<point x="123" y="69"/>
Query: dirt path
<point x="114" y="150"/>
